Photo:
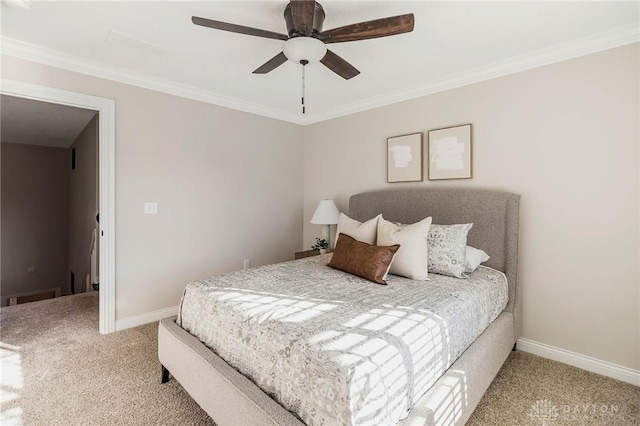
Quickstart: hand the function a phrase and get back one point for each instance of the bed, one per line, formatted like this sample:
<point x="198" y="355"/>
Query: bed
<point x="231" y="398"/>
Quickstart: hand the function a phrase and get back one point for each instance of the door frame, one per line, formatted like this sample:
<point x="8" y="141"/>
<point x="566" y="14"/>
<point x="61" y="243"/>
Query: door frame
<point x="106" y="170"/>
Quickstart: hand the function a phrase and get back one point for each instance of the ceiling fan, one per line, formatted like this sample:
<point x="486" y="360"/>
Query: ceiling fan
<point x="305" y="41"/>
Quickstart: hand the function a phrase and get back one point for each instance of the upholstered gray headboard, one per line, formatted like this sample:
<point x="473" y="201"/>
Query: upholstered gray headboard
<point x="494" y="215"/>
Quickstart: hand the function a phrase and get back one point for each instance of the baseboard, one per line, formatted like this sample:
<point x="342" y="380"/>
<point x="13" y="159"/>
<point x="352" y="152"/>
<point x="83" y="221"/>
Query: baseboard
<point x="594" y="365"/>
<point x="147" y="318"/>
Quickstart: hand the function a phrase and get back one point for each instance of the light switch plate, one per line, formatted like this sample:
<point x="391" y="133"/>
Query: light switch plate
<point x="151" y="208"/>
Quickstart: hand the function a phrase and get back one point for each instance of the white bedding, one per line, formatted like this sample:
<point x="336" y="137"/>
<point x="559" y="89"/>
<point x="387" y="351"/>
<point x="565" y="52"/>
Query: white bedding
<point x="336" y="349"/>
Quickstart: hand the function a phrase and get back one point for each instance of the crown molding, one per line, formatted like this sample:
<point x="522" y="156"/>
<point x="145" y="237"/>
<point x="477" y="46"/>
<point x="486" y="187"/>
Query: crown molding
<point x="34" y="53"/>
<point x="616" y="37"/>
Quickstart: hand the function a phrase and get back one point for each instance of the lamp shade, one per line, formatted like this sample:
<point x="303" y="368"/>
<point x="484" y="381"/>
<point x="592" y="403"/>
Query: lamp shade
<point x="326" y="213"/>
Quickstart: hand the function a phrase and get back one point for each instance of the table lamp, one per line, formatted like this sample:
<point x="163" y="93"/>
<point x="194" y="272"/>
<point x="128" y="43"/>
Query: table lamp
<point x="326" y="214"/>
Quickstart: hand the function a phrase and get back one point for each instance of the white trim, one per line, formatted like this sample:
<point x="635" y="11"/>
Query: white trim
<point x="106" y="111"/>
<point x="58" y="59"/>
<point x="616" y="37"/>
<point x="147" y="318"/>
<point x="594" y="365"/>
<point x="585" y="46"/>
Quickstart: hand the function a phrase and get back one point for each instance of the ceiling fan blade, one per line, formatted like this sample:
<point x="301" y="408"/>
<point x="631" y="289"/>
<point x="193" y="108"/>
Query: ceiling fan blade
<point x="302" y="12"/>
<point x="224" y="26"/>
<point x="271" y="64"/>
<point x="338" y="65"/>
<point x="370" y="29"/>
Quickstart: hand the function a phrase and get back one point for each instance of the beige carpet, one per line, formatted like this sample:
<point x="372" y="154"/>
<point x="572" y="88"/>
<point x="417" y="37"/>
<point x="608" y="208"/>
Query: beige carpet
<point x="69" y="374"/>
<point x="529" y="389"/>
<point x="56" y="369"/>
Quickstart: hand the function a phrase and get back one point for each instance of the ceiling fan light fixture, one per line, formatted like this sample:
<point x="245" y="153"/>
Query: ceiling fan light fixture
<point x="304" y="48"/>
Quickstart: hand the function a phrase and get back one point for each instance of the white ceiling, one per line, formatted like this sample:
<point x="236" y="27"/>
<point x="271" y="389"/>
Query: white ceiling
<point x="154" y="44"/>
<point x="31" y="122"/>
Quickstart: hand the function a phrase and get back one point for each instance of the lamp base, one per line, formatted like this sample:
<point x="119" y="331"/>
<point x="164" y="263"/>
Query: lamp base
<point x="326" y="234"/>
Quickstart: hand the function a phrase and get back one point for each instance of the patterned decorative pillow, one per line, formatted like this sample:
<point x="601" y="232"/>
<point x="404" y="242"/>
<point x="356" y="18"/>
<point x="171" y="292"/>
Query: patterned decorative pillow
<point x="447" y="249"/>
<point x="364" y="260"/>
<point x="360" y="231"/>
<point x="412" y="259"/>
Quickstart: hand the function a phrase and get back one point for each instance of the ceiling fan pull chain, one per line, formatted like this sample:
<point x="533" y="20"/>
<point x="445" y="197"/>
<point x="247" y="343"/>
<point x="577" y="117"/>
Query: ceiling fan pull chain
<point x="304" y="62"/>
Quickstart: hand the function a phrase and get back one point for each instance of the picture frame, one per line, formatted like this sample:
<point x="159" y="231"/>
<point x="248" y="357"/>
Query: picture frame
<point x="450" y="153"/>
<point x="404" y="158"/>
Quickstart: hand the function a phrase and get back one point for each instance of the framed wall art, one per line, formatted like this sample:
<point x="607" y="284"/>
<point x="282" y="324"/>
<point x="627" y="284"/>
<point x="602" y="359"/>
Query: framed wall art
<point x="449" y="152"/>
<point x="404" y="158"/>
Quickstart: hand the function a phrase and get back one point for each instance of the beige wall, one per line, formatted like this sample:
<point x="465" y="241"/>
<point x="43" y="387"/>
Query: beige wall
<point x="565" y="136"/>
<point x="228" y="184"/>
<point x="35" y="199"/>
<point x="83" y="202"/>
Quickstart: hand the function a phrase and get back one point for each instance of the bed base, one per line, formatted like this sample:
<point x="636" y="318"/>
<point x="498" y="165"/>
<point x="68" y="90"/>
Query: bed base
<point x="227" y="396"/>
<point x="232" y="399"/>
<point x="165" y="375"/>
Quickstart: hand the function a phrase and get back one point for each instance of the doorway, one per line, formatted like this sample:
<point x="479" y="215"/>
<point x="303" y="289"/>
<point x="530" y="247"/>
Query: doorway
<point x="105" y="109"/>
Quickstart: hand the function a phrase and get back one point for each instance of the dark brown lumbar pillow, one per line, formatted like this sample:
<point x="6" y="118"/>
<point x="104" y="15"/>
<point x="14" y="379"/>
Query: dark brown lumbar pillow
<point x="362" y="259"/>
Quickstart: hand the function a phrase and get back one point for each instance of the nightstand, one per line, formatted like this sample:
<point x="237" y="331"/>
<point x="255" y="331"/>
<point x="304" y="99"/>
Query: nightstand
<point x="308" y="253"/>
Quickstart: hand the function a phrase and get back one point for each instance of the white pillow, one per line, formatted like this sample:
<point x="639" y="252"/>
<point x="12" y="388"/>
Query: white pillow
<point x="361" y="231"/>
<point x="474" y="257"/>
<point x="412" y="259"/>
